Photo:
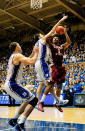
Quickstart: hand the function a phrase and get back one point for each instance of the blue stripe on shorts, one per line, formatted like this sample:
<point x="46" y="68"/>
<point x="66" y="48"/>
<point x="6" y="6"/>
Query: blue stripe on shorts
<point x="44" y="64"/>
<point x="19" y="90"/>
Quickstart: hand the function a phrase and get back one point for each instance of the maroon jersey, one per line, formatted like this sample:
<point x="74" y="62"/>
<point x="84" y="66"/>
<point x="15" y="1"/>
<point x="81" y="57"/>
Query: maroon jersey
<point x="57" y="54"/>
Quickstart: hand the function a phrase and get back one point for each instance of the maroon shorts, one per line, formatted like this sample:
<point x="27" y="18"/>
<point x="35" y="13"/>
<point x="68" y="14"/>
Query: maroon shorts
<point x="58" y="74"/>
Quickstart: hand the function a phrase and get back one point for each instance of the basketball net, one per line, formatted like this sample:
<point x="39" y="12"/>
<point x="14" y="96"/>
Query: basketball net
<point x="36" y="4"/>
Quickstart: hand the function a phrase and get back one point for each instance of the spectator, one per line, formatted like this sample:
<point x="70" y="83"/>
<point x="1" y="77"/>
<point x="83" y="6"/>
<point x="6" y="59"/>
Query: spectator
<point x="78" y="87"/>
<point x="68" y="96"/>
<point x="73" y="59"/>
<point x="2" y="88"/>
<point x="83" y="91"/>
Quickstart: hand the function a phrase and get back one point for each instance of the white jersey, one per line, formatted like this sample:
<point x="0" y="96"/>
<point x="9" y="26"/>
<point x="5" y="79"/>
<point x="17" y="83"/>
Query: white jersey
<point x="14" y="72"/>
<point x="44" y="51"/>
<point x="41" y="65"/>
<point x="12" y="86"/>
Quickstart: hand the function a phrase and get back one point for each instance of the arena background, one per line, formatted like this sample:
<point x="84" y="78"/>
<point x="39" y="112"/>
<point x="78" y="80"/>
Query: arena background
<point x="18" y="22"/>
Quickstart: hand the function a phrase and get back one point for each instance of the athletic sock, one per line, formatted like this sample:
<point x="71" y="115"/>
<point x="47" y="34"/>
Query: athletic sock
<point x="54" y="101"/>
<point x="43" y="98"/>
<point x="16" y="116"/>
<point x="23" y="119"/>
<point x="57" y="99"/>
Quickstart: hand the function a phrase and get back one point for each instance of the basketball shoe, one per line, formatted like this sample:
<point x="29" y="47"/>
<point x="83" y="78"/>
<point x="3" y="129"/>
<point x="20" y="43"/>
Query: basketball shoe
<point x="40" y="106"/>
<point x="12" y="122"/>
<point x="20" y="127"/>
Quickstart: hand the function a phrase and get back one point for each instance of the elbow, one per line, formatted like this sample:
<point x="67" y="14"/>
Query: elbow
<point x="69" y="42"/>
<point x="29" y="63"/>
<point x="32" y="63"/>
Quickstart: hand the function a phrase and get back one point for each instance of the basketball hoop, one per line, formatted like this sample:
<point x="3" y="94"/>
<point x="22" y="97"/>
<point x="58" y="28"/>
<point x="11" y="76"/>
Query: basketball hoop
<point x="36" y="4"/>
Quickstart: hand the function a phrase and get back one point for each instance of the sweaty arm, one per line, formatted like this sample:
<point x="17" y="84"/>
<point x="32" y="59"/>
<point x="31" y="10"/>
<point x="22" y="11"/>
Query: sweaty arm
<point x="54" y="28"/>
<point x="26" y="60"/>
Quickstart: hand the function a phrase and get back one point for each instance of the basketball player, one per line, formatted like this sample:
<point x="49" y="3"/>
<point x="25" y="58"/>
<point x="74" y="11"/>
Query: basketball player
<point x="41" y="65"/>
<point x="19" y="93"/>
<point x="57" y="70"/>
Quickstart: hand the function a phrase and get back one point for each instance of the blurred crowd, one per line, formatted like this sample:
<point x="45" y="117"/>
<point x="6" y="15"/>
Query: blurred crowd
<point x="75" y="77"/>
<point x="75" y="54"/>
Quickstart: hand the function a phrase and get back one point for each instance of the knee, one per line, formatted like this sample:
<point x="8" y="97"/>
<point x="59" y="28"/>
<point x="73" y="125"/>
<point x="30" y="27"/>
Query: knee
<point x="41" y="85"/>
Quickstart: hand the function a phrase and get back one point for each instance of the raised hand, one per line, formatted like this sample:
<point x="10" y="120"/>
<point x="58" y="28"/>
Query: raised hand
<point x="64" y="17"/>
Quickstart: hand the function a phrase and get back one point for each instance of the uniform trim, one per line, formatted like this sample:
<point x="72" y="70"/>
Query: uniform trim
<point x="44" y="65"/>
<point x="22" y="94"/>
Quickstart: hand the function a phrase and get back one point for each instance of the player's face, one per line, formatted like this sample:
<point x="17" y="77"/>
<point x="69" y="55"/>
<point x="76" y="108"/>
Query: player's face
<point x="19" y="48"/>
<point x="55" y="40"/>
<point x="41" y="36"/>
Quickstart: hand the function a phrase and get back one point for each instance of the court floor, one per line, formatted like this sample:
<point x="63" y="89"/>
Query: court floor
<point x="72" y="119"/>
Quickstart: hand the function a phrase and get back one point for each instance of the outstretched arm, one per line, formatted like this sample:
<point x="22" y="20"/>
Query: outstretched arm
<point x="68" y="41"/>
<point x="54" y="28"/>
<point x="26" y="60"/>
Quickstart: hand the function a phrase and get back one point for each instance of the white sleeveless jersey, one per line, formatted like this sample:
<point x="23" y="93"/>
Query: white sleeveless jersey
<point x="42" y="63"/>
<point x="44" y="51"/>
<point x="12" y="83"/>
<point x="14" y="72"/>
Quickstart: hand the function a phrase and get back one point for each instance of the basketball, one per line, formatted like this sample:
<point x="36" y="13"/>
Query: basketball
<point x="60" y="30"/>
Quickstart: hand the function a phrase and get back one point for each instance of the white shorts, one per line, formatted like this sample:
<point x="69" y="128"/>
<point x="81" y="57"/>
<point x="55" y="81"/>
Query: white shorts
<point x="43" y="71"/>
<point x="17" y="92"/>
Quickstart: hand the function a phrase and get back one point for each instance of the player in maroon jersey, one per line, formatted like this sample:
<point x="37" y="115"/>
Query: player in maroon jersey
<point x="57" y="69"/>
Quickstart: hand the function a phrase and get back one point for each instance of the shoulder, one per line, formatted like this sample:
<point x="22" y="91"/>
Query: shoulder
<point x="43" y="40"/>
<point x="18" y="55"/>
<point x="37" y="43"/>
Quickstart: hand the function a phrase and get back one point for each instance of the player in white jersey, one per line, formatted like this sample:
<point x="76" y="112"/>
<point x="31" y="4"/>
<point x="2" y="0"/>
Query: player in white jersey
<point x="41" y="65"/>
<point x="19" y="93"/>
